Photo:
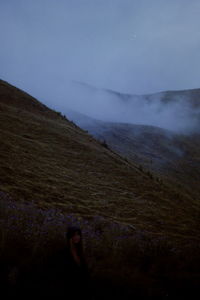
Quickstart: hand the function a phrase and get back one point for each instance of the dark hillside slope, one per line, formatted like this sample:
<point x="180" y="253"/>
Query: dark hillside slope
<point x="15" y="97"/>
<point x="174" y="157"/>
<point x="47" y="159"/>
<point x="158" y="131"/>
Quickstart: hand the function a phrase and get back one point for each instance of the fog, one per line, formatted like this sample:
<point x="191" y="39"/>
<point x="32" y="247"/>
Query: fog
<point x="178" y="114"/>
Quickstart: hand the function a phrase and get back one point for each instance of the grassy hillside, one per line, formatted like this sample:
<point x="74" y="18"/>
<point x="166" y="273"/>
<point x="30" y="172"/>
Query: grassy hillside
<point x="48" y="160"/>
<point x="171" y="156"/>
<point x="52" y="170"/>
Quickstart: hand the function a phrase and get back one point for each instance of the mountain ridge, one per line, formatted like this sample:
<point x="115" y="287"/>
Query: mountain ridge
<point x="188" y="91"/>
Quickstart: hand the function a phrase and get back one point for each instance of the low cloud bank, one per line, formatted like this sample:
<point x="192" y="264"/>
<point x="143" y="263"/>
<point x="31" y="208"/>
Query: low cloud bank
<point x="177" y="113"/>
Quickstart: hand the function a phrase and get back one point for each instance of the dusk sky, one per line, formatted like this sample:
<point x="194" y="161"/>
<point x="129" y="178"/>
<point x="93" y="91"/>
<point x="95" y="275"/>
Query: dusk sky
<point x="130" y="46"/>
<point x="136" y="46"/>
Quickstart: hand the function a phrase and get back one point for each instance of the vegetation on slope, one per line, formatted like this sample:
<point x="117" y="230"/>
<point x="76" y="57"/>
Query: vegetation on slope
<point x="48" y="160"/>
<point x="49" y="163"/>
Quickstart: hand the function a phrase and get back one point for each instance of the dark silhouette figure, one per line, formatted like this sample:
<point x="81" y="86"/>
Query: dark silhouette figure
<point x="65" y="274"/>
<point x="68" y="271"/>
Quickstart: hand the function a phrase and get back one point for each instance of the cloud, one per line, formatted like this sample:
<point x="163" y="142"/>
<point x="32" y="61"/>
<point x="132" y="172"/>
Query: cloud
<point x="177" y="114"/>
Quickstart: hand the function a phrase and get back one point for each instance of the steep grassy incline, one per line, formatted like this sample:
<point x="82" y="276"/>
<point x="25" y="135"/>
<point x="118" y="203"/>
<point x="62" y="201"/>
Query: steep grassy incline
<point x="49" y="160"/>
<point x="173" y="157"/>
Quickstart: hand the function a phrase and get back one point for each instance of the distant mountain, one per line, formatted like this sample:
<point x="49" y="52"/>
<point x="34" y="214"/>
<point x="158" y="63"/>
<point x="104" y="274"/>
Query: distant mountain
<point x="178" y="111"/>
<point x="170" y="155"/>
<point x="192" y="96"/>
<point x="47" y="159"/>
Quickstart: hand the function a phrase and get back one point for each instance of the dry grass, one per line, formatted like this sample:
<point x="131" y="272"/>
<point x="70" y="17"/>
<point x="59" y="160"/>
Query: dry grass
<point x="172" y="157"/>
<point x="122" y="260"/>
<point x="48" y="162"/>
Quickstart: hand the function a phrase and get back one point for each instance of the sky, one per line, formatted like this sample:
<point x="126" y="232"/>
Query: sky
<point x="134" y="46"/>
<point x="131" y="46"/>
